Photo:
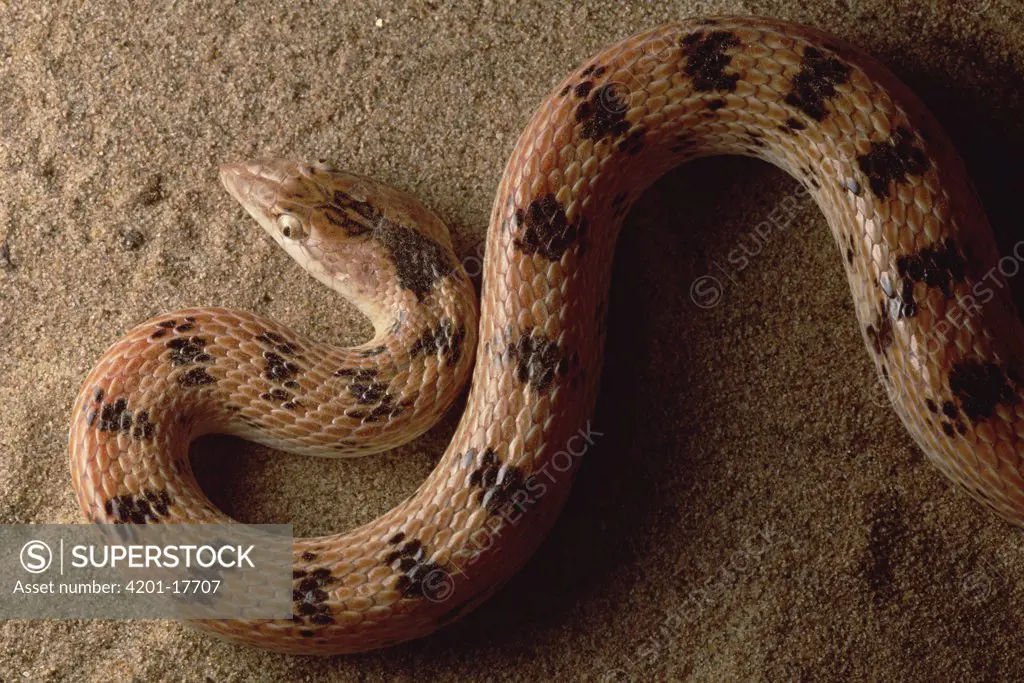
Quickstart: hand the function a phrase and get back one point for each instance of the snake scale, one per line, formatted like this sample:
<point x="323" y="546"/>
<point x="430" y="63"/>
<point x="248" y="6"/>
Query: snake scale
<point x="919" y="256"/>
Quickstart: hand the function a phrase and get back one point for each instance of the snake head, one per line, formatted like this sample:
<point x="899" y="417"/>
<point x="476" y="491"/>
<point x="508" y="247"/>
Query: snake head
<point x="291" y="200"/>
<point x="347" y="231"/>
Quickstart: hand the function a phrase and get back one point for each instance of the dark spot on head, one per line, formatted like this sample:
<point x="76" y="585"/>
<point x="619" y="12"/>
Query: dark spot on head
<point x="716" y="104"/>
<point x="351" y="215"/>
<point x="167" y="324"/>
<point x="931" y="405"/>
<point x="397" y="538"/>
<point x="583" y="89"/>
<point x="947" y="428"/>
<point x="420" y="262"/>
<point x="795" y="124"/>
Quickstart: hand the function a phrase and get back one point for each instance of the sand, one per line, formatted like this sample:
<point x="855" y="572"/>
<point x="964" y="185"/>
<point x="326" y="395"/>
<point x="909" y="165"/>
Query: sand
<point x="753" y="510"/>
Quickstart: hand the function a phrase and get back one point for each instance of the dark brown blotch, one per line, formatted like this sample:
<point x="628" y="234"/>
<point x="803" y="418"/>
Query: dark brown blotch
<point x="538" y="360"/>
<point x="278" y="369"/>
<point x="545" y="229"/>
<point x="445" y="339"/>
<point x="420" y="262"/>
<point x="816" y="83"/>
<point x="418" y="577"/>
<point x="793" y="124"/>
<point x="187" y="350"/>
<point x="501" y="485"/>
<point x="604" y="113"/>
<point x="980" y="387"/>
<point x="149" y="506"/>
<point x="196" y="377"/>
<point x="707" y="60"/>
<point x="353" y="216"/>
<point x="891" y="162"/>
<point x="366" y="389"/>
<point x="937" y="266"/>
<point x="309" y="597"/>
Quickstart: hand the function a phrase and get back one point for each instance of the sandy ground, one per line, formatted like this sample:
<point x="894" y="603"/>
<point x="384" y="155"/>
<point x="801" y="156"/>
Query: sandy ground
<point x="754" y="511"/>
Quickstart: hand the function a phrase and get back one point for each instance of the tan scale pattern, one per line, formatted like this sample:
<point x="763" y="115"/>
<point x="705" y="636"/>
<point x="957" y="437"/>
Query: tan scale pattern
<point x="884" y="174"/>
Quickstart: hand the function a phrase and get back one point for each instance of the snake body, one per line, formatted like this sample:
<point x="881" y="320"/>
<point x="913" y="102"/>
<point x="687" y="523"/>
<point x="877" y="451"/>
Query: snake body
<point x="918" y="253"/>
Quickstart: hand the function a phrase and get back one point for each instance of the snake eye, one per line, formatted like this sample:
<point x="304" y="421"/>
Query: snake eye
<point x="291" y="227"/>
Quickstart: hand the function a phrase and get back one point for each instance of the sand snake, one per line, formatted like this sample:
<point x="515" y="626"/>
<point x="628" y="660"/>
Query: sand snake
<point x="918" y="253"/>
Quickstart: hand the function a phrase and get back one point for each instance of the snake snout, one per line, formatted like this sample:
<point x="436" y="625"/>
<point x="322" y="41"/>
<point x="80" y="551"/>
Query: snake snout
<point x="253" y="184"/>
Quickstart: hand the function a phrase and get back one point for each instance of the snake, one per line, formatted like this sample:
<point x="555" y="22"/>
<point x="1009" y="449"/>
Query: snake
<point x="928" y="285"/>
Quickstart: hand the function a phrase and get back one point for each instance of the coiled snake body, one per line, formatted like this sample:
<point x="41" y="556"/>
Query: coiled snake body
<point x="913" y="238"/>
